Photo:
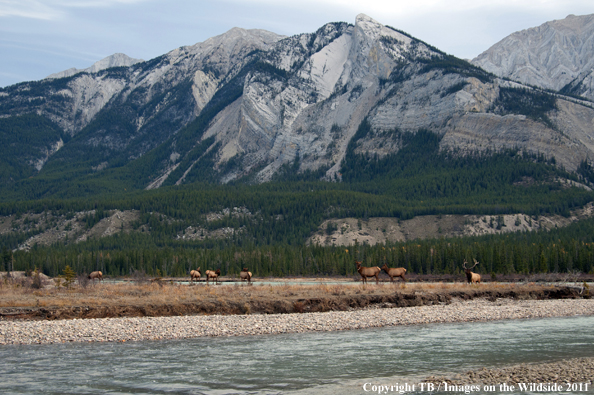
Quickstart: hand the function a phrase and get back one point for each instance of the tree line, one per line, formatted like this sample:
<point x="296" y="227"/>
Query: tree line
<point x="562" y="250"/>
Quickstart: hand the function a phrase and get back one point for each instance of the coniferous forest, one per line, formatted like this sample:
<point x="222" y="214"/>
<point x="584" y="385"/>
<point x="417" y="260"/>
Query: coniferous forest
<point x="564" y="250"/>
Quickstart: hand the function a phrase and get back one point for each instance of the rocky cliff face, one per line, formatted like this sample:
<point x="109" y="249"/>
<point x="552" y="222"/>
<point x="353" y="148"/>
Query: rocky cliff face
<point x="554" y="55"/>
<point x="249" y="102"/>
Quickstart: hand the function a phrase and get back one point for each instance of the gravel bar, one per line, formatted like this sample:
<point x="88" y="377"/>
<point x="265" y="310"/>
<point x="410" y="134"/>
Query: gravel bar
<point x="576" y="370"/>
<point x="161" y="328"/>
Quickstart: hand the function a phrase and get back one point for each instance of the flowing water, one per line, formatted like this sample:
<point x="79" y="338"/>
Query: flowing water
<point x="309" y="363"/>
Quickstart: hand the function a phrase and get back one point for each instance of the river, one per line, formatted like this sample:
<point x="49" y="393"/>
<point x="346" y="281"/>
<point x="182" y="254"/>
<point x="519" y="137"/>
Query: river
<point x="308" y="363"/>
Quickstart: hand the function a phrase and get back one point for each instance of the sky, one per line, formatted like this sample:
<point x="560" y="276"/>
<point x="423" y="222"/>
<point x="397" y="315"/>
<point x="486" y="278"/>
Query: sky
<point x="41" y="37"/>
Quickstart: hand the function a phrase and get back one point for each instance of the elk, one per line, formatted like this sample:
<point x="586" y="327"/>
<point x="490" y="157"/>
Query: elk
<point x="394" y="272"/>
<point x="213" y="274"/>
<point x="245" y="274"/>
<point x="195" y="274"/>
<point x="471" y="276"/>
<point x="95" y="275"/>
<point x="368" y="272"/>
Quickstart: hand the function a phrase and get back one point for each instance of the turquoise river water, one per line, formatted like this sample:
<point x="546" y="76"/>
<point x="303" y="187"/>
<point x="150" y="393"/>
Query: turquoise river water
<point x="347" y="362"/>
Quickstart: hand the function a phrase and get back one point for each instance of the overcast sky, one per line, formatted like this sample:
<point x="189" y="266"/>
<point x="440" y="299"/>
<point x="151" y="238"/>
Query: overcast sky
<point x="41" y="37"/>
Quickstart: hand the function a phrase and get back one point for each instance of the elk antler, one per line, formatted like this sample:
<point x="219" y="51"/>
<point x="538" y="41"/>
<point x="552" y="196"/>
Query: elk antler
<point x="464" y="264"/>
<point x="475" y="262"/>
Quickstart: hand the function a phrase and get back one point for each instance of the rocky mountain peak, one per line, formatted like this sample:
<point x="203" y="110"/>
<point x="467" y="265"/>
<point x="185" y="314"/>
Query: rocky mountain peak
<point x="219" y="54"/>
<point x="551" y="55"/>
<point x="368" y="26"/>
<point x="115" y="60"/>
<point x="234" y="38"/>
<point x="376" y="48"/>
<point x="574" y="23"/>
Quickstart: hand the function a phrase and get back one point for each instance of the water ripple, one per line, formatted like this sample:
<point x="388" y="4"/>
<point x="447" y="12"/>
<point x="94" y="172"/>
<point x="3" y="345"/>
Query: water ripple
<point x="325" y="363"/>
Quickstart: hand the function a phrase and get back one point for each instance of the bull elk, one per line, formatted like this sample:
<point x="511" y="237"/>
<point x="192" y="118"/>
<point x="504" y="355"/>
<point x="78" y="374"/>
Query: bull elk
<point x="213" y="274"/>
<point x="368" y="272"/>
<point x="245" y="274"/>
<point x="394" y="272"/>
<point x="95" y="275"/>
<point x="195" y="274"/>
<point x="471" y="276"/>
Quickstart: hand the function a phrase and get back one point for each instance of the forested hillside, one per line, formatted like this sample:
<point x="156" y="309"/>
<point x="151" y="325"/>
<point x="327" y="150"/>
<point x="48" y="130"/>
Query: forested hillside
<point x="34" y="138"/>
<point x="281" y="215"/>
<point x="564" y="250"/>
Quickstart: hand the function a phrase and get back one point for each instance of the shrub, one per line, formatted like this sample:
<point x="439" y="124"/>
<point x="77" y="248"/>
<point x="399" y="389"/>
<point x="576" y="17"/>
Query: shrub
<point x="83" y="280"/>
<point x="37" y="282"/>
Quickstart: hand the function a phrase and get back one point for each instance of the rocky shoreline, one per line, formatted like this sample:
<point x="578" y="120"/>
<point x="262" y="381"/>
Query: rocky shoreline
<point x="181" y="327"/>
<point x="572" y="375"/>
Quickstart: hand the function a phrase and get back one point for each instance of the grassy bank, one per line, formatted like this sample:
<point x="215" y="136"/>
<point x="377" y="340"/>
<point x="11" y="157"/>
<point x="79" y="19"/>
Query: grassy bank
<point x="138" y="298"/>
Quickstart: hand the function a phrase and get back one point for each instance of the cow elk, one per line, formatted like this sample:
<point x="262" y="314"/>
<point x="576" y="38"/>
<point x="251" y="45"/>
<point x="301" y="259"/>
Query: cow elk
<point x="213" y="274"/>
<point x="394" y="272"/>
<point x="471" y="276"/>
<point x="195" y="274"/>
<point x="368" y="272"/>
<point x="245" y="274"/>
<point x="95" y="276"/>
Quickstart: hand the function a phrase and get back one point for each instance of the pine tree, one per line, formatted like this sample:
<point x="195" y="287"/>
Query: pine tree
<point x="6" y="258"/>
<point x="68" y="276"/>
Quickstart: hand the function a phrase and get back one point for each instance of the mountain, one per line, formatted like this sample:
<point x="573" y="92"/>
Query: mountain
<point x="556" y="55"/>
<point x="253" y="106"/>
<point x="118" y="114"/>
<point x="115" y="60"/>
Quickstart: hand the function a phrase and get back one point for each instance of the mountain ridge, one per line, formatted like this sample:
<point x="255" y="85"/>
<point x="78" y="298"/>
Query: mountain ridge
<point x="246" y="104"/>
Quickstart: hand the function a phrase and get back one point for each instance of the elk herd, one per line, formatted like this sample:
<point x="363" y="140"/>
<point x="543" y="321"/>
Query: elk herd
<point x="244" y="275"/>
<point x="374" y="271"/>
<point x="365" y="272"/>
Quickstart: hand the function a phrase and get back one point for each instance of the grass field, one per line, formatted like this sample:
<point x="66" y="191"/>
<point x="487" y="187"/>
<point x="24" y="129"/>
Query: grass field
<point x="21" y="299"/>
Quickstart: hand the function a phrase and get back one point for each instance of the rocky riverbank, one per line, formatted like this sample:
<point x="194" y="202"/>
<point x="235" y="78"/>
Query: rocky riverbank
<point x="180" y="327"/>
<point x="571" y="374"/>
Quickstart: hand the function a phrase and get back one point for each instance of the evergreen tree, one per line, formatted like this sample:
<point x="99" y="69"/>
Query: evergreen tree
<point x="542" y="263"/>
<point x="7" y="259"/>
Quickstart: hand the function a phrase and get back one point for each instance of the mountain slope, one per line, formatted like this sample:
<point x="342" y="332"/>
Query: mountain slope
<point x="119" y="114"/>
<point x="395" y="81"/>
<point x="553" y="55"/>
<point x="250" y="105"/>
